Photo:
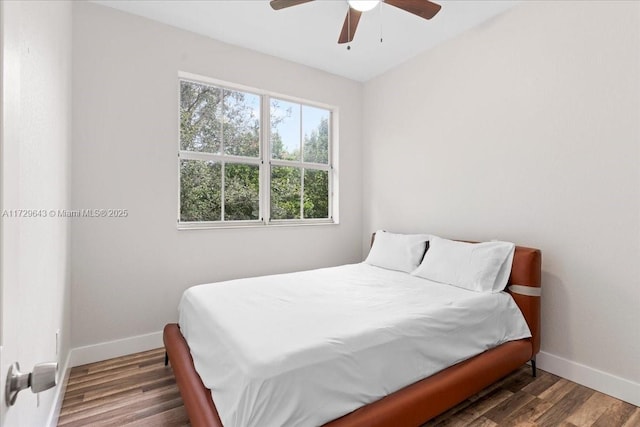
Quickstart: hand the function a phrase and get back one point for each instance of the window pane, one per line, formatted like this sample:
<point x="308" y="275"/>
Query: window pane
<point x="315" y="128"/>
<point x="285" y="192"/>
<point x="316" y="193"/>
<point x="241" y="124"/>
<point x="285" y="130"/>
<point x="200" y="115"/>
<point x="200" y="186"/>
<point x="241" y="192"/>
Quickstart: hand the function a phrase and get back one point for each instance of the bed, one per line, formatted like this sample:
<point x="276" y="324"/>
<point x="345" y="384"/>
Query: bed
<point x="414" y="403"/>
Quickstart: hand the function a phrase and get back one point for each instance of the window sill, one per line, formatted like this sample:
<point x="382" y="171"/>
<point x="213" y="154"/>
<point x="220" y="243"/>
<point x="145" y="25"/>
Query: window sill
<point x="253" y="224"/>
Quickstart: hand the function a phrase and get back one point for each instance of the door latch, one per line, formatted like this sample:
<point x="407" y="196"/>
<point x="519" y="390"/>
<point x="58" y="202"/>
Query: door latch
<point x="42" y="378"/>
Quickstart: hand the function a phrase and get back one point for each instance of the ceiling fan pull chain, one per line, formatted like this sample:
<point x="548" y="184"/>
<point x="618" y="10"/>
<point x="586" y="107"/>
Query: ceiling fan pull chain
<point x="380" y="6"/>
<point x="349" y="27"/>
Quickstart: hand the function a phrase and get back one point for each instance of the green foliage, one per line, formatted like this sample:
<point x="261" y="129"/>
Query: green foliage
<point x="316" y="193"/>
<point x="277" y="148"/>
<point x="213" y="120"/>
<point x="316" y="145"/>
<point x="200" y="191"/>
<point x="283" y="113"/>
<point x="241" y="192"/>
<point x="200" y="126"/>
<point x="241" y="124"/>
<point x="211" y="116"/>
<point x="285" y="192"/>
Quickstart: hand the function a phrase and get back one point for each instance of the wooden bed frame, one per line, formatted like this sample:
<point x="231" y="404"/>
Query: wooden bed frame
<point x="418" y="402"/>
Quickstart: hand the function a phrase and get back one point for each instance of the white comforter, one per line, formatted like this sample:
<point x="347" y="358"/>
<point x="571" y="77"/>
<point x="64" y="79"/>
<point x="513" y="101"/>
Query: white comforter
<point x="304" y="348"/>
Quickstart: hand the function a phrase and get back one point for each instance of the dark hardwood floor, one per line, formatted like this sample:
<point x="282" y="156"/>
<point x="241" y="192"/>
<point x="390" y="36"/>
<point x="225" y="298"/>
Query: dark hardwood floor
<point x="138" y="390"/>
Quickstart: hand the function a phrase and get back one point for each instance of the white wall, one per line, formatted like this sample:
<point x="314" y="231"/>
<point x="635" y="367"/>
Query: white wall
<point x="36" y="147"/>
<point x="128" y="274"/>
<point x="527" y="129"/>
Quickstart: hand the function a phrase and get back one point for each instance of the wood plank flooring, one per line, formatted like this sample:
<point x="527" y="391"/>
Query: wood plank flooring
<point x="135" y="390"/>
<point x="138" y="390"/>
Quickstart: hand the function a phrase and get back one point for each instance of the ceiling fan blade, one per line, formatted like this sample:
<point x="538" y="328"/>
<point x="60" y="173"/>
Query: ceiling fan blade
<point x="422" y="8"/>
<point x="281" y="4"/>
<point x="349" y="26"/>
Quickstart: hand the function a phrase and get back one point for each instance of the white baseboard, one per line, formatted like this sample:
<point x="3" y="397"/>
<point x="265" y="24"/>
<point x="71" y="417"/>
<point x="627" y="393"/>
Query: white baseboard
<point x="110" y="349"/>
<point x="96" y="353"/>
<point x="604" y="382"/>
<point x="58" y="397"/>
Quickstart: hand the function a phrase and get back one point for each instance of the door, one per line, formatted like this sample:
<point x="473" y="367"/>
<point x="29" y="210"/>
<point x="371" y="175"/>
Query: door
<point x="9" y="118"/>
<point x="35" y="134"/>
<point x="10" y="300"/>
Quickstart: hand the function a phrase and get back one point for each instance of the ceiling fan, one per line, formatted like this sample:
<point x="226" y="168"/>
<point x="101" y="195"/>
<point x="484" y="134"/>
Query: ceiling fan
<point x="422" y="8"/>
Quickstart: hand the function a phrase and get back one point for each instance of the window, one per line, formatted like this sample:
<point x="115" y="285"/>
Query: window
<point x="248" y="158"/>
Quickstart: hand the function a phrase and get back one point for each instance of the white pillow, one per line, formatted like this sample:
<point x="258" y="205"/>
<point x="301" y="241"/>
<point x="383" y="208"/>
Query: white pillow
<point x="479" y="267"/>
<point x="402" y="252"/>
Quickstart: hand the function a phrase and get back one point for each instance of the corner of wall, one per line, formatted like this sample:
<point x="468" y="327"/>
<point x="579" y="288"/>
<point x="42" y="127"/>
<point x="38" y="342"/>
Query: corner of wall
<point x="61" y="387"/>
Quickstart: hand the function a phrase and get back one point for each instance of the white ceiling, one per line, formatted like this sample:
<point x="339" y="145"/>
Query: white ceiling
<point x="308" y="33"/>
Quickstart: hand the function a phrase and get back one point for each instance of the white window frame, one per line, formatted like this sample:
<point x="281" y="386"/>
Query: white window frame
<point x="264" y="161"/>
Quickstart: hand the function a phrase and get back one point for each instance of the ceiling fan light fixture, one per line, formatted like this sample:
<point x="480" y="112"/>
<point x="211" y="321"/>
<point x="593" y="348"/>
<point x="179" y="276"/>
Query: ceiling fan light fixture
<point x="363" y="5"/>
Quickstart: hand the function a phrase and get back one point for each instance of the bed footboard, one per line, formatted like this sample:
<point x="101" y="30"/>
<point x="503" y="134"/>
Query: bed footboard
<point x="422" y="401"/>
<point x="196" y="397"/>
<point x="410" y="406"/>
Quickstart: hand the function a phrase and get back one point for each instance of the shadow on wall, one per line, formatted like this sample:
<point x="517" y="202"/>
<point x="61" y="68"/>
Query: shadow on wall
<point x="554" y="298"/>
